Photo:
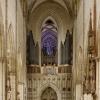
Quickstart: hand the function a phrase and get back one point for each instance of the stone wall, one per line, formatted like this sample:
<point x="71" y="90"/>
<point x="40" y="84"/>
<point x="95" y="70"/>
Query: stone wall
<point x="14" y="37"/>
<point x="60" y="82"/>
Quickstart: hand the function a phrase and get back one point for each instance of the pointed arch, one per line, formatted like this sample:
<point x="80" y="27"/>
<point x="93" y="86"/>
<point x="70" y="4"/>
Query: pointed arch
<point x="49" y="42"/>
<point x="45" y="86"/>
<point x="49" y="94"/>
<point x="50" y="18"/>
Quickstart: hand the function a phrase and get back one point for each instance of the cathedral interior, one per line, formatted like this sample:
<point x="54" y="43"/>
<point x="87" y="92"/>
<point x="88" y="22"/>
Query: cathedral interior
<point x="49" y="49"/>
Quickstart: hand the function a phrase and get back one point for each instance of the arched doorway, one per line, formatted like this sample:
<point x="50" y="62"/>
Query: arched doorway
<point x="49" y="94"/>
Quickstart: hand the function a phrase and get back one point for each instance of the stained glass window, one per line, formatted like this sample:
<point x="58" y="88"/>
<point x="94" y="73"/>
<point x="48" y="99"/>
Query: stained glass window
<point x="49" y="42"/>
<point x="49" y="38"/>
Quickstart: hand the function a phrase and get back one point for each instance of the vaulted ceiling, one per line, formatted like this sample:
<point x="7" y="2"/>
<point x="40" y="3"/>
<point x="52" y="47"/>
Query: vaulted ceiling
<point x="62" y="12"/>
<point x="69" y="5"/>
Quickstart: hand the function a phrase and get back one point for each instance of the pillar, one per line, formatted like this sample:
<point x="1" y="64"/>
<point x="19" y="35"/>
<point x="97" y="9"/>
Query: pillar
<point x="78" y="91"/>
<point x="98" y="79"/>
<point x="1" y="80"/>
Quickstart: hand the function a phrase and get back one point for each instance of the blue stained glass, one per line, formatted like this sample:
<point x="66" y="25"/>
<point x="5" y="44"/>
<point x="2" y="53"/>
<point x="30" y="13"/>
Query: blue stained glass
<point x="49" y="39"/>
<point x="49" y="49"/>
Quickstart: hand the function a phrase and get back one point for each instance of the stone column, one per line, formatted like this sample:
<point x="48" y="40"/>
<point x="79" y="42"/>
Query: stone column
<point x="4" y="77"/>
<point x="20" y="91"/>
<point x="1" y="80"/>
<point x="98" y="79"/>
<point x="78" y="91"/>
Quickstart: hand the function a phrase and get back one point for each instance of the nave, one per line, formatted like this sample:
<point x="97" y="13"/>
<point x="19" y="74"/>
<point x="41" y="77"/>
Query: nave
<point x="49" y="50"/>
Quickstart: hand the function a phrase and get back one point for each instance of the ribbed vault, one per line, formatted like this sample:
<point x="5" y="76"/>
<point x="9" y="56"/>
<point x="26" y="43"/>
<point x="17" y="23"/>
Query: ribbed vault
<point x="54" y="10"/>
<point x="49" y="9"/>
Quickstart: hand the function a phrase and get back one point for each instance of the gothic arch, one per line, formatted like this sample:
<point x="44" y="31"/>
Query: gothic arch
<point x="49" y="84"/>
<point x="52" y="19"/>
<point x="49" y="94"/>
<point x="49" y="42"/>
<point x="58" y="13"/>
<point x="45" y="9"/>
